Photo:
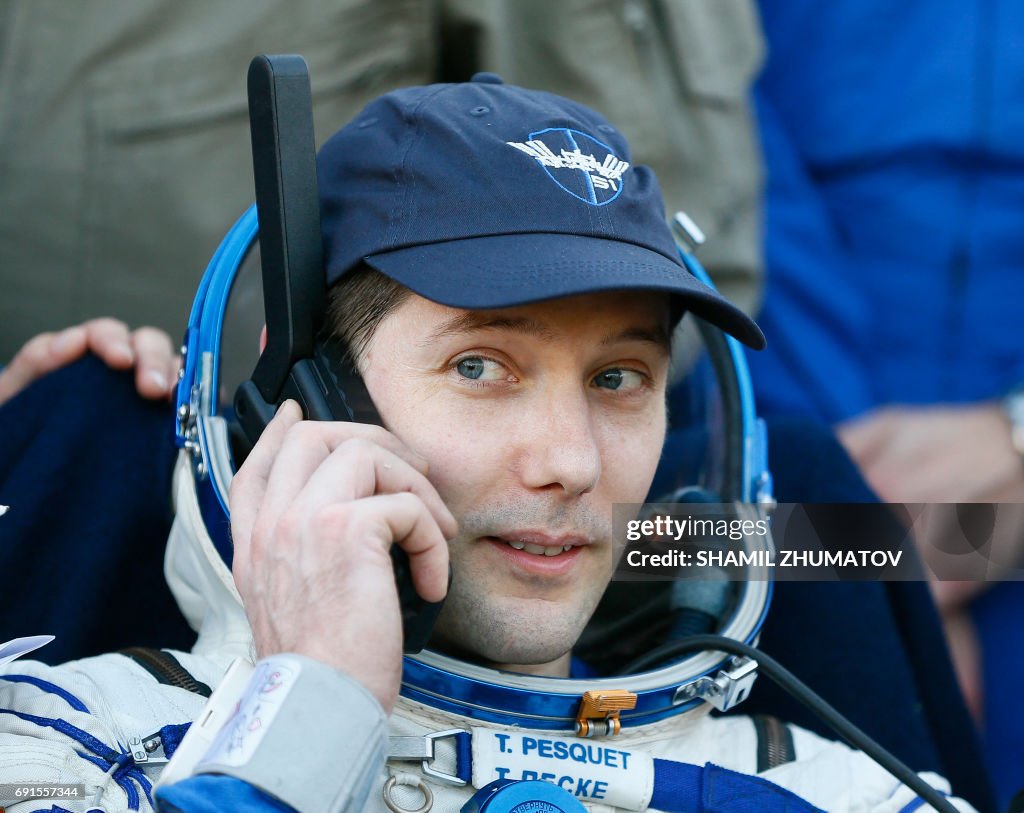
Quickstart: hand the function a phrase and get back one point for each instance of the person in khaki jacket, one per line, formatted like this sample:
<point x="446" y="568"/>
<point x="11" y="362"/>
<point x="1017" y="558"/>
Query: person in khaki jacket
<point x="124" y="145"/>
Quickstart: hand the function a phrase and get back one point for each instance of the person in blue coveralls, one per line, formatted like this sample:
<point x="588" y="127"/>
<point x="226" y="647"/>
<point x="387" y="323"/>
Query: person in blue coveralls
<point x="504" y="281"/>
<point x="894" y="138"/>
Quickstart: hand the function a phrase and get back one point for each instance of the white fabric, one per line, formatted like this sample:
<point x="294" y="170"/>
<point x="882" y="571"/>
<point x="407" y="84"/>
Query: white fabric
<point x="267" y="689"/>
<point x="595" y="770"/>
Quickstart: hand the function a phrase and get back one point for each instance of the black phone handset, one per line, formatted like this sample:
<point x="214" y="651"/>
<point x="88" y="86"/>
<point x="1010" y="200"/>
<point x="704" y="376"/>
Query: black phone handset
<point x="299" y="361"/>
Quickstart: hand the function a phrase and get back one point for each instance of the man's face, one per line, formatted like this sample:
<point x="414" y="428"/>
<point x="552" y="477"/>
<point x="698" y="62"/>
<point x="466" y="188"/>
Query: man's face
<point x="534" y="420"/>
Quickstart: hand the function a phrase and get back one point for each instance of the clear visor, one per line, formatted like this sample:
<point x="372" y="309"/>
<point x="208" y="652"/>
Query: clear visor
<point x="702" y="463"/>
<point x="697" y="453"/>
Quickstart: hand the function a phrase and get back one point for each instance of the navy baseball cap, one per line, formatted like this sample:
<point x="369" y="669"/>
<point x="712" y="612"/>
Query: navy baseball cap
<point x="485" y="195"/>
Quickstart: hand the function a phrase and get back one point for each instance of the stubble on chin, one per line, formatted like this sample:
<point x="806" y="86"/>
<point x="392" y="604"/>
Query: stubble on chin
<point x="507" y="630"/>
<point x="492" y="616"/>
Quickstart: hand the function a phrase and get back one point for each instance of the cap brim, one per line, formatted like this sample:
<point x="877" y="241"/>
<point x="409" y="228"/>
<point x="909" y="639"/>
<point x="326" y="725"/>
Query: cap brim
<point x="534" y="267"/>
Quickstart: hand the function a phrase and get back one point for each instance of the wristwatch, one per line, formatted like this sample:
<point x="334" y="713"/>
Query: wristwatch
<point x="1013" y="406"/>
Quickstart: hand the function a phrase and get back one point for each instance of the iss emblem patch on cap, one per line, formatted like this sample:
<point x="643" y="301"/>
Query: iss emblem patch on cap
<point x="531" y="796"/>
<point x="584" y="167"/>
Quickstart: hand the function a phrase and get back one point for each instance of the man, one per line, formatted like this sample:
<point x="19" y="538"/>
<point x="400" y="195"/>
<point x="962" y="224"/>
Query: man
<point x="97" y="220"/>
<point x="503" y="278"/>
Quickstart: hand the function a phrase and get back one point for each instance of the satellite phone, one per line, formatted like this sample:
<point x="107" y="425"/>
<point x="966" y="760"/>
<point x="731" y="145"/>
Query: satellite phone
<point x="300" y="361"/>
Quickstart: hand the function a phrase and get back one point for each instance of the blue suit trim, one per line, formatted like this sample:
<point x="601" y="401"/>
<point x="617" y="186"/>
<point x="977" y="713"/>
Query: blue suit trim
<point x="683" y="788"/>
<point x="105" y="756"/>
<point x="214" y="794"/>
<point x="51" y="688"/>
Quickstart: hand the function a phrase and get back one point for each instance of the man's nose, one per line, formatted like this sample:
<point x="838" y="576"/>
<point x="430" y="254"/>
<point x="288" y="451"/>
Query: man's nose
<point x="560" y="448"/>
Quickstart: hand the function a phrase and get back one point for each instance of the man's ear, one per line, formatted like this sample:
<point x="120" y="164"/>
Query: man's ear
<point x="263" y="339"/>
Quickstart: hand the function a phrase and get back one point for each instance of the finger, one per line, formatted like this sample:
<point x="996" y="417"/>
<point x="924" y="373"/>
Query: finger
<point x="306" y="447"/>
<point x="923" y="478"/>
<point x="405" y="519"/>
<point x="358" y="469"/>
<point x="858" y="436"/>
<point x="40" y="355"/>
<point x="334" y="433"/>
<point x="308" y="444"/>
<point x="66" y="346"/>
<point x="952" y="596"/>
<point x="910" y="467"/>
<point x="300" y="453"/>
<point x="295" y="456"/>
<point x="109" y="339"/>
<point x="866" y="438"/>
<point x="249" y="484"/>
<point x="965" y="651"/>
<point x="154" y="358"/>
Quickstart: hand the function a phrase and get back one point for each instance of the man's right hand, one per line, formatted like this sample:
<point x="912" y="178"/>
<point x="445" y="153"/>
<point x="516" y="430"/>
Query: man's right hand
<point x="314" y="511"/>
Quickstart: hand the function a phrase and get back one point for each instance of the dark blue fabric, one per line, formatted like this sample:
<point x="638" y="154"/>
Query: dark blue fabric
<point x="85" y="466"/>
<point x="915" y="804"/>
<point x="464" y="756"/>
<point x="683" y="788"/>
<point x="147" y="786"/>
<point x="677" y="786"/>
<point x="998" y="614"/>
<point x="730" y="792"/>
<point x="128" y="787"/>
<point x="171" y="737"/>
<point x="579" y="668"/>
<point x="216" y="794"/>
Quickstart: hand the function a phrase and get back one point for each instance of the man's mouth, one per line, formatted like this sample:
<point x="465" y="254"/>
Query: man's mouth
<point x="539" y="543"/>
<point x="538" y="550"/>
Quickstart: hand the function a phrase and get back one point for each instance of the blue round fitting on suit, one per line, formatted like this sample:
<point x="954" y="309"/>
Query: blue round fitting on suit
<point x="527" y="796"/>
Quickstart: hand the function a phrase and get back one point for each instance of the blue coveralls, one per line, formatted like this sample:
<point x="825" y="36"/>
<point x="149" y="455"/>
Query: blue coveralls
<point x="894" y="142"/>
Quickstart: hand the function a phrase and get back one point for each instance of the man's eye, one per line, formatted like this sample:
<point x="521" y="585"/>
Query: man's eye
<point x="476" y="368"/>
<point x="619" y="379"/>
